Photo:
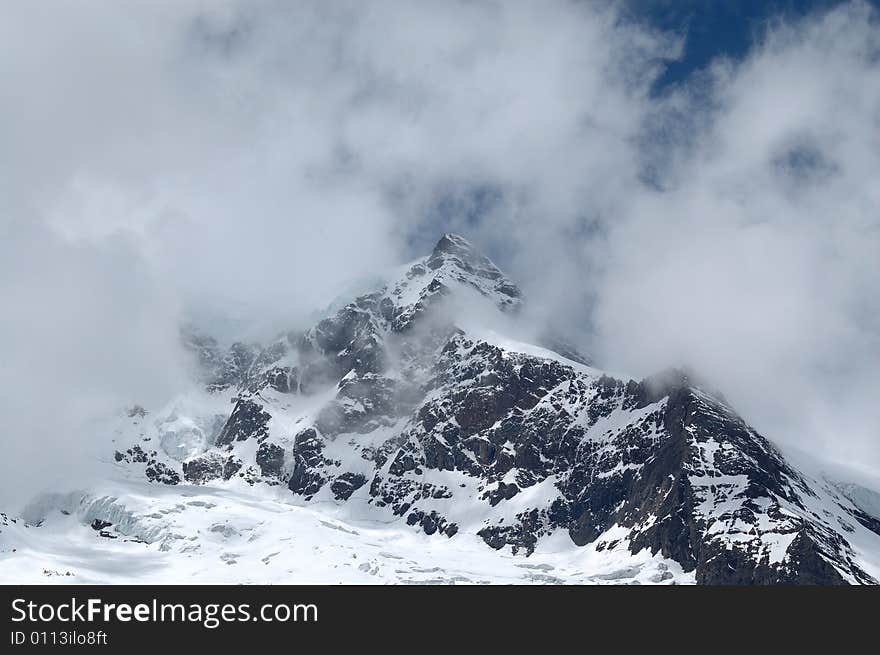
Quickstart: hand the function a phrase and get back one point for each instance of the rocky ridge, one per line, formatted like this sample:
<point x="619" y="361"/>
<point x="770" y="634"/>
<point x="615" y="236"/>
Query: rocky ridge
<point x="391" y="407"/>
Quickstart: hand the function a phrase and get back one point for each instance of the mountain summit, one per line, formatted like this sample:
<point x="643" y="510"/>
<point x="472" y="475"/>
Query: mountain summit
<point x="389" y="413"/>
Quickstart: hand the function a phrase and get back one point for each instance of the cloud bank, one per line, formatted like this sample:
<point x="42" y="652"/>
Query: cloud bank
<point x="759" y="260"/>
<point x="245" y="161"/>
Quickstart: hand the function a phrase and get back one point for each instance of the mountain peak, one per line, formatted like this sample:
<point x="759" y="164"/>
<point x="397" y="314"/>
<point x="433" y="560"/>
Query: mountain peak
<point x="453" y="244"/>
<point x="454" y="249"/>
<point x="455" y="260"/>
<point x="389" y="410"/>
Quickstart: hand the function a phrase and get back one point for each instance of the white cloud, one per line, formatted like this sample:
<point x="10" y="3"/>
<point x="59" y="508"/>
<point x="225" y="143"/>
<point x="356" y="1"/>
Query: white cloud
<point x="190" y="158"/>
<point x="760" y="262"/>
<point x="193" y="158"/>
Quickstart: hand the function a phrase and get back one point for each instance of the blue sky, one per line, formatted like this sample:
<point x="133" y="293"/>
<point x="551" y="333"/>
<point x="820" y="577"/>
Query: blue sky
<point x="717" y="28"/>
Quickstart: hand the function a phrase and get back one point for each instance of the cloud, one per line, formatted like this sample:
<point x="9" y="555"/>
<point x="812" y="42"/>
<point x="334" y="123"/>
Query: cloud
<point x="759" y="260"/>
<point x="86" y="332"/>
<point x="192" y="160"/>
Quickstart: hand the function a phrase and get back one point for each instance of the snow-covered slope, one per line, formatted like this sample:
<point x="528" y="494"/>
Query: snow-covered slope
<point x="232" y="533"/>
<point x="386" y="443"/>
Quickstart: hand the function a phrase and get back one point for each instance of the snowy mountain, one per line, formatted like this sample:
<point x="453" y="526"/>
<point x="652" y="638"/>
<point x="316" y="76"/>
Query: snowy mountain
<point x="393" y="441"/>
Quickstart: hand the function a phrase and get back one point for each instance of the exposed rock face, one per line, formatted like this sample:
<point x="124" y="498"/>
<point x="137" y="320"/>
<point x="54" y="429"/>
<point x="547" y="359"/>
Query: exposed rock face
<point x="346" y="484"/>
<point x="270" y="459"/>
<point x="203" y="469"/>
<point x="154" y="470"/>
<point x="248" y="420"/>
<point x="404" y="413"/>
